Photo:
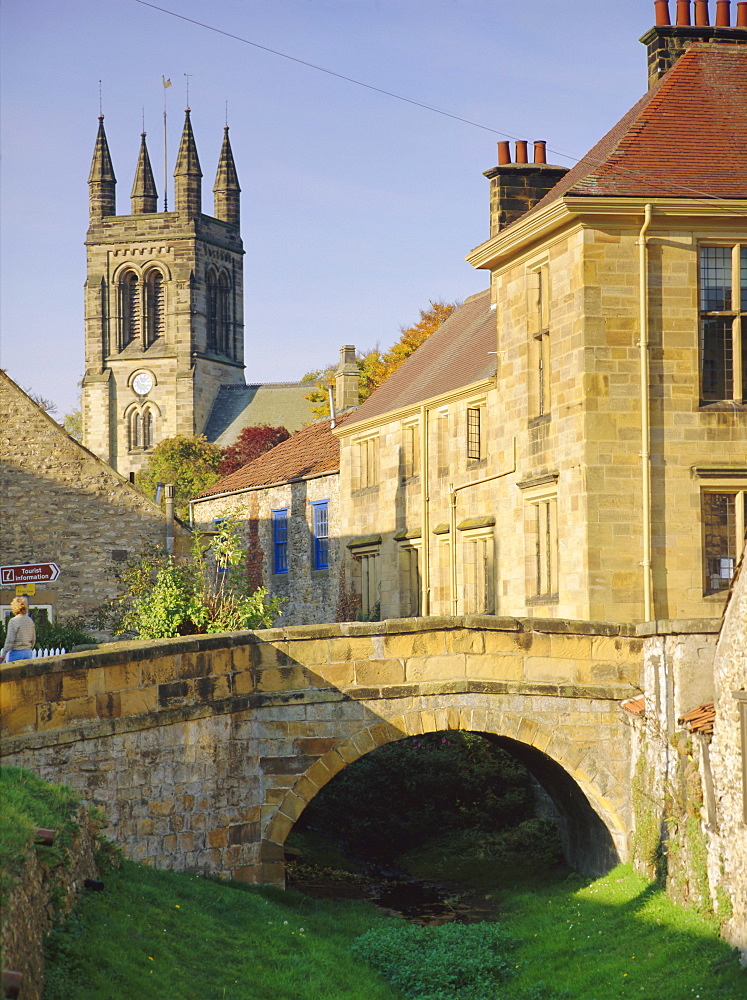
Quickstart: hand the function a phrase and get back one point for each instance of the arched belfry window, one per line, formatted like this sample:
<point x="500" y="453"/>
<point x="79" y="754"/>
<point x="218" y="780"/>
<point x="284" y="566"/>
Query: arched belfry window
<point x="129" y="288"/>
<point x="224" y="325"/>
<point x="155" y="293"/>
<point x="218" y="317"/>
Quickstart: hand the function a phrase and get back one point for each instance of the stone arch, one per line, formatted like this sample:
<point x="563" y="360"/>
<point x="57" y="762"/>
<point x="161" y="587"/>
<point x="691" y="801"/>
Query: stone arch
<point x="219" y="310"/>
<point x="536" y="745"/>
<point x="129" y="305"/>
<point x="154" y="284"/>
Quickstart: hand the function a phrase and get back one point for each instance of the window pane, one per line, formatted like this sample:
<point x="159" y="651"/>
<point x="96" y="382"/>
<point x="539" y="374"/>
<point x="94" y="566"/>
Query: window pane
<point x="743" y="273"/>
<point x="280" y="540"/>
<point x="715" y="279"/>
<point x="473" y="432"/>
<point x="321" y="536"/>
<point x="717" y="361"/>
<point x="719" y="510"/>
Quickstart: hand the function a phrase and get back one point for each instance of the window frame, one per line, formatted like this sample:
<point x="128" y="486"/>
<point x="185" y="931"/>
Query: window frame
<point x="538" y="322"/>
<point x="410" y="450"/>
<point x="542" y="535"/>
<point x="735" y="346"/>
<point x="320" y="541"/>
<point x="366" y="576"/>
<point x="735" y="538"/>
<point x="280" y="539"/>
<point x="366" y="472"/>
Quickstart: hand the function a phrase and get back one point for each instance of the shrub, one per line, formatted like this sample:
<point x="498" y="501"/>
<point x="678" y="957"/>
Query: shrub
<point x="450" y="962"/>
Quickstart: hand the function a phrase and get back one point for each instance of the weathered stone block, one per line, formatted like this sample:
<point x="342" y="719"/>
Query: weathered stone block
<point x="379" y="672"/>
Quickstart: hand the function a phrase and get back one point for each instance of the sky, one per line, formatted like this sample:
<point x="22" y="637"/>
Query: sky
<point x="357" y="208"/>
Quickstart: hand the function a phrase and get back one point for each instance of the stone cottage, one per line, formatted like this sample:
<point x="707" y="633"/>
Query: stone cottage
<point x="63" y="505"/>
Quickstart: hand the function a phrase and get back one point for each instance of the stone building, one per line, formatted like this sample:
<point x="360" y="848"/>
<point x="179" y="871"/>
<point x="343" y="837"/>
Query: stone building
<point x="164" y="314"/>
<point x="597" y="470"/>
<point x="64" y="505"/>
<point x="287" y="502"/>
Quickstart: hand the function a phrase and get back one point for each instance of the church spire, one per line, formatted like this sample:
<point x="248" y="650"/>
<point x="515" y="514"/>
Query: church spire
<point x="226" y="188"/>
<point x="144" y="196"/>
<point x="187" y="175"/>
<point x="101" y="180"/>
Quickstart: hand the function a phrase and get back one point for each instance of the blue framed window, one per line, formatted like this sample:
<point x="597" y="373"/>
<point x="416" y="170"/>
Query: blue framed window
<point x="320" y="510"/>
<point x="280" y="540"/>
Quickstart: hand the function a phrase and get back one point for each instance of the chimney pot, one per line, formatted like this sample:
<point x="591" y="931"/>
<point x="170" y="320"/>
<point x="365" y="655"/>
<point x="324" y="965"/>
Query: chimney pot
<point x="701" y="13"/>
<point x="723" y="13"/>
<point x="662" y="12"/>
<point x="742" y="15"/>
<point x="521" y="151"/>
<point x="504" y="153"/>
<point x="540" y="151"/>
<point x="683" y="12"/>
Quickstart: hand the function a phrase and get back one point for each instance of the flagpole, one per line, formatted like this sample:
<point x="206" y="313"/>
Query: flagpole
<point x="166" y="85"/>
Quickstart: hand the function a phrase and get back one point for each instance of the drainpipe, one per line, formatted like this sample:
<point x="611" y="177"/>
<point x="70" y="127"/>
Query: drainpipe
<point x="645" y="413"/>
<point x="170" y="519"/>
<point x="332" y="414"/>
<point x="453" y="490"/>
<point x="425" y="574"/>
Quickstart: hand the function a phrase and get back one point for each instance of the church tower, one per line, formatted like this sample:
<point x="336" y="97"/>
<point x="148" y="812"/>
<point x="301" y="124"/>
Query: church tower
<point x="164" y="323"/>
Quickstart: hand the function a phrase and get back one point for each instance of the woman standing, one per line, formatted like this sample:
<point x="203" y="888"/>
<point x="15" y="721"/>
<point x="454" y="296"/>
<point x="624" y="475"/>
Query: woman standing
<point x="20" y="638"/>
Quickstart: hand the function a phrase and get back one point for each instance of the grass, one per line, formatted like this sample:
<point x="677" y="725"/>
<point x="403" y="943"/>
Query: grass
<point x="165" y="934"/>
<point x="28" y="803"/>
<point x="595" y="939"/>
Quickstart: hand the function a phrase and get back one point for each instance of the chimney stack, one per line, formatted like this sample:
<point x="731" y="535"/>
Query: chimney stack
<point x="515" y="188"/>
<point x="666" y="42"/>
<point x="347" y="379"/>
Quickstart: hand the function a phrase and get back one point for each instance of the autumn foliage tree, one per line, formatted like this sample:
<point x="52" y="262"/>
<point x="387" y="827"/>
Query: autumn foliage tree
<point x="250" y="444"/>
<point x="374" y="366"/>
<point x="190" y="463"/>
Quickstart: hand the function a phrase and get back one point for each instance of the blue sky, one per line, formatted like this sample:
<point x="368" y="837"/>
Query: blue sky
<point x="357" y="208"/>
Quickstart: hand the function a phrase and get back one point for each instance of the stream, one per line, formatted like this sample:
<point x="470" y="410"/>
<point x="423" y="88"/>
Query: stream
<point x="395" y="891"/>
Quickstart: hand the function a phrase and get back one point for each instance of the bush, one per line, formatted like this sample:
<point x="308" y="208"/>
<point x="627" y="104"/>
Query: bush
<point x="166" y="597"/>
<point x="450" y="962"/>
<point x="405" y="793"/>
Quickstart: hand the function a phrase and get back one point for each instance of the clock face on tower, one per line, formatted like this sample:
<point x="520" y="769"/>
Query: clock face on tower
<point x="142" y="383"/>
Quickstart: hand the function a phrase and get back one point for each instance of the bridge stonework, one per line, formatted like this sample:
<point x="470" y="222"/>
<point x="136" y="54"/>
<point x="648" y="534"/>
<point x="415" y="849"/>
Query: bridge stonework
<point x="204" y="751"/>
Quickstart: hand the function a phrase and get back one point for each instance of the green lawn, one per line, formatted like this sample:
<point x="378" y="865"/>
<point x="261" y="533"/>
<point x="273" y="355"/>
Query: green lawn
<point x="163" y="934"/>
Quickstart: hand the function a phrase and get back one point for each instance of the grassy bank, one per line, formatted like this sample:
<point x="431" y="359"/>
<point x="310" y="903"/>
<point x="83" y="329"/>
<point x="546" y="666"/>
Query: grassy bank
<point x="164" y="934"/>
<point x="29" y="803"/>
<point x="156" y="933"/>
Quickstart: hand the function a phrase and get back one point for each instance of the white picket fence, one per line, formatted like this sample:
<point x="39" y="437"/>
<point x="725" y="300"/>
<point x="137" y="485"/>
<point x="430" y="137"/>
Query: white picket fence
<point x="36" y="653"/>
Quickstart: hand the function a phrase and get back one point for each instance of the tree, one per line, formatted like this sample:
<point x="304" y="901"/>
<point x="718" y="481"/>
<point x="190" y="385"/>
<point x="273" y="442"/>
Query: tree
<point x="375" y="367"/>
<point x="190" y="463"/>
<point x="250" y="444"/>
<point x="73" y="424"/>
<point x="207" y="592"/>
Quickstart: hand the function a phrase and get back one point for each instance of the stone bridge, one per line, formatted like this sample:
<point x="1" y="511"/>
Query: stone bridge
<point x="204" y="751"/>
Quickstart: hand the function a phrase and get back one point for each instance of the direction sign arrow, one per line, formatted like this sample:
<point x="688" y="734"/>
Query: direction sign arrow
<point x="11" y="576"/>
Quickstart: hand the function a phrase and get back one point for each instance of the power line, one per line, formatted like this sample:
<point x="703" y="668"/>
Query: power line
<point x="691" y="191"/>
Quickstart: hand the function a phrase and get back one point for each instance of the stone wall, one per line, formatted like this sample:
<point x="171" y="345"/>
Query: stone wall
<point x="309" y="595"/>
<point x="39" y="898"/>
<point x="203" y="751"/>
<point x="64" y="505"/>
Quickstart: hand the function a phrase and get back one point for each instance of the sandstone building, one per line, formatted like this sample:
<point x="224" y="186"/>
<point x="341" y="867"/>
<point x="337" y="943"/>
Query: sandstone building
<point x="164" y="314"/>
<point x="582" y="451"/>
<point x="63" y="505"/>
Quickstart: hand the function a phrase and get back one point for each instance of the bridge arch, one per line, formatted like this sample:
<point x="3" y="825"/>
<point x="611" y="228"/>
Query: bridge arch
<point x="595" y="837"/>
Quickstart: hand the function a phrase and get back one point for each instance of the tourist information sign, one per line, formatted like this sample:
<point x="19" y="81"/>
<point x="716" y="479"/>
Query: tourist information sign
<point x="11" y="576"/>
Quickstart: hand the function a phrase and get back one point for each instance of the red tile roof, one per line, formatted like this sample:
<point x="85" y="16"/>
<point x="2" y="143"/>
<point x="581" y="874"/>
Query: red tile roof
<point x="636" y="706"/>
<point x="700" y="719"/>
<point x="686" y="138"/>
<point x="309" y="452"/>
<point x="461" y="351"/>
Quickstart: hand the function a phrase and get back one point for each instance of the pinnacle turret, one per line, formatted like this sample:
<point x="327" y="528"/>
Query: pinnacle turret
<point x="101" y="180"/>
<point x="144" y="196"/>
<point x="226" y="188"/>
<point x="187" y="174"/>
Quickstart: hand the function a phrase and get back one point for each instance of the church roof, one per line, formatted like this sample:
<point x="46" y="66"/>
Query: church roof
<point x="278" y="404"/>
<point x="310" y="452"/>
<point x="686" y="138"/>
<point x="461" y="351"/>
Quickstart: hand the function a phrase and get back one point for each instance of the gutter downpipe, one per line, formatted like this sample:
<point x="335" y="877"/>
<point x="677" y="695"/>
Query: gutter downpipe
<point x="453" y="490"/>
<point x="645" y="412"/>
<point x="425" y="577"/>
